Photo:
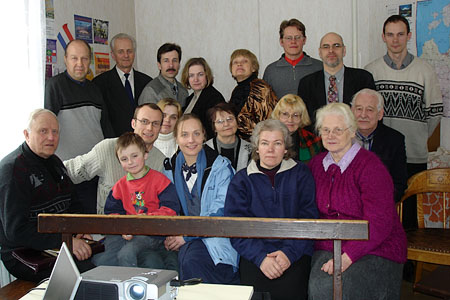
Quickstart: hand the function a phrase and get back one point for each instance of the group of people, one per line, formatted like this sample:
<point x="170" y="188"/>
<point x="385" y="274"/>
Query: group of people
<point x="310" y="140"/>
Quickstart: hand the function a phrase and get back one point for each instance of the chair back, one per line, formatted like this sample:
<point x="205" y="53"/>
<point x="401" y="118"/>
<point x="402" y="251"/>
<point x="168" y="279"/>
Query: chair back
<point x="432" y="188"/>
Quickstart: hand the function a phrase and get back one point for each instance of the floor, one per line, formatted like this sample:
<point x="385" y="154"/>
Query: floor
<point x="408" y="294"/>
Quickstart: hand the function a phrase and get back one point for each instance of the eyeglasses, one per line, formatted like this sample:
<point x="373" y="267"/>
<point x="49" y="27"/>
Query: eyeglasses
<point x="171" y="117"/>
<point x="222" y="122"/>
<point x="146" y="122"/>
<point x="285" y="116"/>
<point x="336" y="131"/>
<point x="292" y="38"/>
<point x="333" y="46"/>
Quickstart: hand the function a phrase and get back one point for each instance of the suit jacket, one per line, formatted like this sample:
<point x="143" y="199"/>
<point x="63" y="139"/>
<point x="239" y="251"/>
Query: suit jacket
<point x="312" y="88"/>
<point x="208" y="98"/>
<point x="389" y="145"/>
<point x="116" y="98"/>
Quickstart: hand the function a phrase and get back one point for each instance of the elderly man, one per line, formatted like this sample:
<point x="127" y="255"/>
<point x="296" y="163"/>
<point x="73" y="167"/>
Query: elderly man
<point x="166" y="85"/>
<point x="33" y="180"/>
<point x="122" y="85"/>
<point x="285" y="74"/>
<point x="335" y="83"/>
<point x="387" y="143"/>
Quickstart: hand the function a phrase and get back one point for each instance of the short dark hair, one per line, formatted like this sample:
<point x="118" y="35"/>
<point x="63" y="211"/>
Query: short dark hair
<point x="219" y="107"/>
<point x="168" y="47"/>
<point x="83" y="42"/>
<point x="128" y="139"/>
<point x="395" y="19"/>
<point x="292" y="22"/>
<point x="149" y="105"/>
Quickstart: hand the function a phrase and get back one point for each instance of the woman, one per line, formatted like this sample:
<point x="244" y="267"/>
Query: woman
<point x="197" y="75"/>
<point x="254" y="98"/>
<point x="273" y="186"/>
<point x="353" y="184"/>
<point x="201" y="178"/>
<point x="291" y="111"/>
<point x="171" y="113"/>
<point x="226" y="142"/>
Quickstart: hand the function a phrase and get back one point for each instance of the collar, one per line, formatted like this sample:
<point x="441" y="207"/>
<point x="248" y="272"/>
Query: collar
<point x="286" y="164"/>
<point x="122" y="73"/>
<point x="345" y="161"/>
<point x="82" y="83"/>
<point x="131" y="177"/>
<point x="339" y="75"/>
<point x="248" y="80"/>
<point x="406" y="61"/>
<point x="166" y="136"/>
<point x="167" y="82"/>
<point x="296" y="61"/>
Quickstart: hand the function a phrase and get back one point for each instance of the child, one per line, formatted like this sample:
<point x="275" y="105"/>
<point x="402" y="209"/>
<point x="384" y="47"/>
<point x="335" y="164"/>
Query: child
<point x="142" y="191"/>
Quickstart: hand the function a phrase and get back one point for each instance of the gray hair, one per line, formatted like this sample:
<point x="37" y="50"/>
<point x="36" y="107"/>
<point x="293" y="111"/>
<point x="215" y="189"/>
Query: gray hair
<point x="36" y="113"/>
<point x="270" y="125"/>
<point x="123" y="36"/>
<point x="340" y="109"/>
<point x="371" y="93"/>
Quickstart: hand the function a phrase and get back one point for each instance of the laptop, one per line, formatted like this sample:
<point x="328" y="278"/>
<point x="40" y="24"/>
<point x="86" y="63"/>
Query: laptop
<point x="65" y="277"/>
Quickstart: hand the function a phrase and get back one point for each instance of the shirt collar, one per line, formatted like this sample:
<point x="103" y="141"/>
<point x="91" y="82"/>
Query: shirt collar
<point x="406" y="61"/>
<point x="82" y="83"/>
<point x="345" y="160"/>
<point x="339" y="75"/>
<point x="131" y="177"/>
<point x="122" y="73"/>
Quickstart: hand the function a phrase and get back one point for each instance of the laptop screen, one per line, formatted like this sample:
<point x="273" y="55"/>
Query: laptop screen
<point x="65" y="277"/>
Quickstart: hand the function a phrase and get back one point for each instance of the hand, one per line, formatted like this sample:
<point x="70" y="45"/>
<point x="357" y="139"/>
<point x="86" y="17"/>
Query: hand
<point x="328" y="266"/>
<point x="173" y="243"/>
<point x="127" y="237"/>
<point x="81" y="249"/>
<point x="271" y="268"/>
<point x="281" y="258"/>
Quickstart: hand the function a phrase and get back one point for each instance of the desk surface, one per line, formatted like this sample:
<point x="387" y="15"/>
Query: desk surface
<point x="16" y="289"/>
<point x="194" y="292"/>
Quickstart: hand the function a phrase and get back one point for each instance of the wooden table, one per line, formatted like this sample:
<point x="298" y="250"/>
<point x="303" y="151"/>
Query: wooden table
<point x="16" y="289"/>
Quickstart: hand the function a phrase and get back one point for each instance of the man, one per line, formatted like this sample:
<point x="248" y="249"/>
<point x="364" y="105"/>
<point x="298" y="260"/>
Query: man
<point x="387" y="143"/>
<point x="335" y="83"/>
<point x="166" y="85"/>
<point x="102" y="161"/>
<point x="410" y="88"/>
<point x="285" y="74"/>
<point x="122" y="85"/>
<point x="33" y="180"/>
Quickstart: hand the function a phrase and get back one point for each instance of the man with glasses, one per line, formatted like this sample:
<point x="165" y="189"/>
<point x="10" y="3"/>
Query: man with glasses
<point x="284" y="74"/>
<point x="335" y="83"/>
<point x="102" y="161"/>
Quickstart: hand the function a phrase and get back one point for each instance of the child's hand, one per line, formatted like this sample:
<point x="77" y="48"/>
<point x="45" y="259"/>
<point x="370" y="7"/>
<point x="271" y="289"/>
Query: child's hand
<point x="127" y="237"/>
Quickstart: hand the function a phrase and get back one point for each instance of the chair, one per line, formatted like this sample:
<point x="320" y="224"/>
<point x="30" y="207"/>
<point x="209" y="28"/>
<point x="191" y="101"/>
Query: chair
<point x="430" y="245"/>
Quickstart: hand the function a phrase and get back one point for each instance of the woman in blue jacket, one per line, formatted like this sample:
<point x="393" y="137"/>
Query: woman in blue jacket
<point x="201" y="177"/>
<point x="273" y="186"/>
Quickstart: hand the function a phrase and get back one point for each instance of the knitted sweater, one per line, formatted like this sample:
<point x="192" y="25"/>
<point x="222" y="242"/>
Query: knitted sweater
<point x="412" y="103"/>
<point x="160" y="88"/>
<point x="166" y="143"/>
<point x="102" y="161"/>
<point x="364" y="191"/>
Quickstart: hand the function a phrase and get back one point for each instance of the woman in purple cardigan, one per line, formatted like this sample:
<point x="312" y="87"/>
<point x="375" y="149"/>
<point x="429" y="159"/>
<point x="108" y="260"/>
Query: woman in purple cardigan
<point x="353" y="184"/>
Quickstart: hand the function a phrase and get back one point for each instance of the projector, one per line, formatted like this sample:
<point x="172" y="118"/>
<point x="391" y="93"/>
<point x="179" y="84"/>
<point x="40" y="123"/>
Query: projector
<point x="124" y="283"/>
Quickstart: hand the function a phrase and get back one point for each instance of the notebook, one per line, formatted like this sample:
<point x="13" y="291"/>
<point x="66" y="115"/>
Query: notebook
<point x="65" y="277"/>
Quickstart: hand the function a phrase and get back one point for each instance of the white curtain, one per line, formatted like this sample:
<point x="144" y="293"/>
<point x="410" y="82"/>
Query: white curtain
<point x="22" y="55"/>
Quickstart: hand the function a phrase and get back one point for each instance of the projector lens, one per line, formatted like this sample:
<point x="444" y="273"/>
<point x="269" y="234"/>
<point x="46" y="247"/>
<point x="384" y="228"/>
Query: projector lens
<point x="136" y="291"/>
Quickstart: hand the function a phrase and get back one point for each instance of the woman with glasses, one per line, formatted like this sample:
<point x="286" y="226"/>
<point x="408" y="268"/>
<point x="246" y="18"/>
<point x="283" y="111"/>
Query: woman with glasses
<point x="273" y="186"/>
<point x="291" y="111"/>
<point x="254" y="98"/>
<point x="226" y="142"/>
<point x="353" y="184"/>
<point x="171" y="113"/>
<point x="197" y="75"/>
<point x="201" y="178"/>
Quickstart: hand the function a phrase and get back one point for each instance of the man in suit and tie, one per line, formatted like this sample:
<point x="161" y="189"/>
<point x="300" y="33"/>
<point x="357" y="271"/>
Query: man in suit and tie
<point x="122" y="85"/>
<point x="335" y="83"/>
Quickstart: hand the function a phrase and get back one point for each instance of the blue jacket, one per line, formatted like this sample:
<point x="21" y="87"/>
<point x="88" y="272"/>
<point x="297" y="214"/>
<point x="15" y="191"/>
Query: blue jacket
<point x="251" y="194"/>
<point x="215" y="180"/>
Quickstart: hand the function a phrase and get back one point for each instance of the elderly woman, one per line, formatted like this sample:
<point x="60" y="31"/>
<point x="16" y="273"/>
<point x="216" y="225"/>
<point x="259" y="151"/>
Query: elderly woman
<point x="201" y="178"/>
<point x="171" y="113"/>
<point x="226" y="142"/>
<point x="273" y="186"/>
<point x="291" y="111"/>
<point x="254" y="98"/>
<point x="353" y="184"/>
<point x="197" y="75"/>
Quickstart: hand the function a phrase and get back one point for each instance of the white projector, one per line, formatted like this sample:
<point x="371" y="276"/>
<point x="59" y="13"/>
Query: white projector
<point x="124" y="283"/>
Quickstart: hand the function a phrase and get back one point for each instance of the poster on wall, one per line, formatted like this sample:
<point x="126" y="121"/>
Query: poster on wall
<point x="100" y="32"/>
<point x="49" y="9"/>
<point x="49" y="19"/>
<point x="50" y="52"/>
<point x="101" y="62"/>
<point x="83" y="28"/>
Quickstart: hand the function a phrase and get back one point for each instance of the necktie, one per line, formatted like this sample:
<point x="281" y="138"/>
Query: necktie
<point x="175" y="90"/>
<point x="129" y="91"/>
<point x="365" y="141"/>
<point x="191" y="170"/>
<point x="332" y="90"/>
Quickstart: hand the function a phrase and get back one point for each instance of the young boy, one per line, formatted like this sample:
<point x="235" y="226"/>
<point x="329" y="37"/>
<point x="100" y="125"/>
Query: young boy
<point x="142" y="191"/>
